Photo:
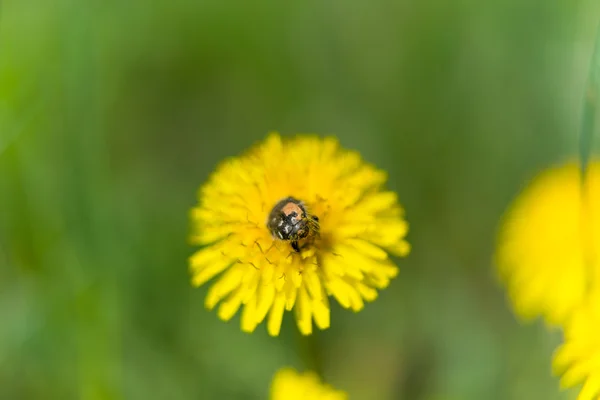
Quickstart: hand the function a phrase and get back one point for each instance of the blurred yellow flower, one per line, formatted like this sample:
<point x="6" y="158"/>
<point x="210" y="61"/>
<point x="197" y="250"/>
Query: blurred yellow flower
<point x="578" y="359"/>
<point x="288" y="384"/>
<point x="548" y="246"/>
<point x="340" y="245"/>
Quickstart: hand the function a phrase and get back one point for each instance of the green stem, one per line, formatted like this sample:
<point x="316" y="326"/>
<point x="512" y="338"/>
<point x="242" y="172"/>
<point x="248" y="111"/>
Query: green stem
<point x="310" y="351"/>
<point x="588" y="127"/>
<point x="590" y="108"/>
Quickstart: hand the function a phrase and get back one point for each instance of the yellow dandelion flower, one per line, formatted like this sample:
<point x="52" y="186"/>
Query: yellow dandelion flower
<point x="290" y="223"/>
<point x="288" y="384"/>
<point x="578" y="359"/>
<point x="549" y="241"/>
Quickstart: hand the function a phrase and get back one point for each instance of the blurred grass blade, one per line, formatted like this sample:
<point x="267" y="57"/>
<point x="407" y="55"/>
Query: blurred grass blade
<point x="590" y="107"/>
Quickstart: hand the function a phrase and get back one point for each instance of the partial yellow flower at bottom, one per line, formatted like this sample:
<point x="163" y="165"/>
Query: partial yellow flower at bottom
<point x="578" y="359"/>
<point x="548" y="244"/>
<point x="288" y="384"/>
<point x="290" y="223"/>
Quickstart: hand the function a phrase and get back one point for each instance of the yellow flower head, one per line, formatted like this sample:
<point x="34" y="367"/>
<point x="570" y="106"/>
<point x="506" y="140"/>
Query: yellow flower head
<point x="290" y="223"/>
<point x="288" y="384"/>
<point x="547" y="253"/>
<point x="578" y="359"/>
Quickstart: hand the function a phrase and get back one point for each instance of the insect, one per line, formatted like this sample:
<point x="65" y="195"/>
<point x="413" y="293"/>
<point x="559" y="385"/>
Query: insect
<point x="289" y="220"/>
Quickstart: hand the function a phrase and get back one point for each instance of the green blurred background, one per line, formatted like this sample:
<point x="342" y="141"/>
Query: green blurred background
<point x="112" y="113"/>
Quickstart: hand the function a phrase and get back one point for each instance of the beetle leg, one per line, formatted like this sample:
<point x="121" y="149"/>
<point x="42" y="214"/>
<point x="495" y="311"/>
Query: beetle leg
<point x="295" y="246"/>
